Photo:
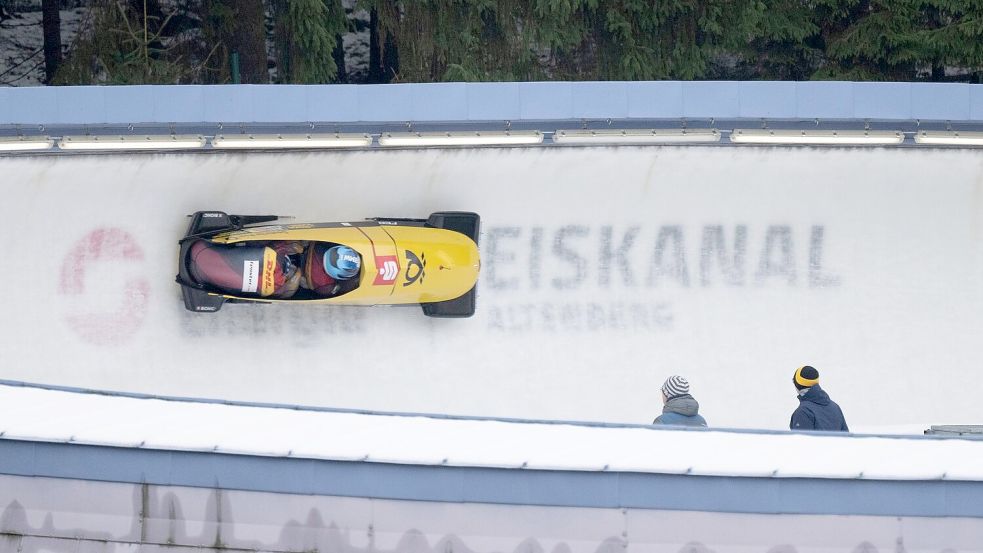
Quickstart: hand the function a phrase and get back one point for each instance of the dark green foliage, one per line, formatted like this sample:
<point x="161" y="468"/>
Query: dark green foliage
<point x="901" y="40"/>
<point x="675" y="39"/>
<point x="245" y="45"/>
<point x="684" y="39"/>
<point x="563" y="39"/>
<point x="870" y="40"/>
<point x="782" y="45"/>
<point x="522" y="40"/>
<point x="469" y="40"/>
<point x="307" y="33"/>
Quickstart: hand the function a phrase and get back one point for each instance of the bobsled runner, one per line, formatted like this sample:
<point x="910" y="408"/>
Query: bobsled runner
<point x="431" y="262"/>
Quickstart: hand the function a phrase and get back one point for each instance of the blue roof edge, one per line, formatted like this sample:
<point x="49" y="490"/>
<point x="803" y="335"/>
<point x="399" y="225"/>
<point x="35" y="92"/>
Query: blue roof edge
<point x="477" y="102"/>
<point x="601" y="489"/>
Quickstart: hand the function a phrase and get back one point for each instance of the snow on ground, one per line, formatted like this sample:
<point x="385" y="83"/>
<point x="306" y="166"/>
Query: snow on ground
<point x="21" y="43"/>
<point x="356" y="44"/>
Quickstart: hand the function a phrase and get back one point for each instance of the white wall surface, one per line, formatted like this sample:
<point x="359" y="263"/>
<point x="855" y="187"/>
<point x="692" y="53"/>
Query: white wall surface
<point x="881" y="287"/>
<point x="70" y="516"/>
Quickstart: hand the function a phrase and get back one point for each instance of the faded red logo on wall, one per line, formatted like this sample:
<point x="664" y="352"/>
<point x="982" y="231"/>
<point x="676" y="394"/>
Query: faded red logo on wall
<point x="105" y="293"/>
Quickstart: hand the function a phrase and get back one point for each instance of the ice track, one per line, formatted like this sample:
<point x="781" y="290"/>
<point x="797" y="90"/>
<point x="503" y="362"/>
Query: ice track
<point x="604" y="271"/>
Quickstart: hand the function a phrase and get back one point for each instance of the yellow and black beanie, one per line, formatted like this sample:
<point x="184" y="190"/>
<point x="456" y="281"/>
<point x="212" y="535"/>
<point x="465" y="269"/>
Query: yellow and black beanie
<point x="805" y="377"/>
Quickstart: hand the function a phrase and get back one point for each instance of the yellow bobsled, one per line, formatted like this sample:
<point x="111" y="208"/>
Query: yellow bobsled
<point x="431" y="262"/>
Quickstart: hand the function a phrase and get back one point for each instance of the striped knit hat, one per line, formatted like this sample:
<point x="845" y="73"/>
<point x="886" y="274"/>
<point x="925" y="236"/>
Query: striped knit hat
<point x="675" y="386"/>
<point x="805" y="377"/>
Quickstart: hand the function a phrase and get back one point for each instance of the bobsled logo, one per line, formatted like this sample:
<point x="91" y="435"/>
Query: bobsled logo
<point x="417" y="263"/>
<point x="388" y="269"/>
<point x="269" y="271"/>
<point x="250" y="276"/>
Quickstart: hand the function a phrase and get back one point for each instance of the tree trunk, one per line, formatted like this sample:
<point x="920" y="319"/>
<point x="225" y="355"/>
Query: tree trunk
<point x="375" y="51"/>
<point x="281" y="41"/>
<point x="390" y="59"/>
<point x="249" y="40"/>
<point x="339" y="60"/>
<point x="383" y="55"/>
<point x="51" y="27"/>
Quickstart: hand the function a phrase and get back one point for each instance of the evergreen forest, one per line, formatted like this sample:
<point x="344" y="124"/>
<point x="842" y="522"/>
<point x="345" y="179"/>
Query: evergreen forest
<point x="384" y="41"/>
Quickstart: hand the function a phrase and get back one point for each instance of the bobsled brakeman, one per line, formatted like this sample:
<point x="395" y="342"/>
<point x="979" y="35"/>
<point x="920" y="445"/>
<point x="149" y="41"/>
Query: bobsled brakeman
<point x="433" y="263"/>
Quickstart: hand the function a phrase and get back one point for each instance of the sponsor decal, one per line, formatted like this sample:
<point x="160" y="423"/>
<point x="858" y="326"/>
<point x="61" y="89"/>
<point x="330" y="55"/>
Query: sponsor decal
<point x="250" y="276"/>
<point x="248" y="233"/>
<point x="388" y="266"/>
<point x="350" y="259"/>
<point x="262" y="230"/>
<point x="210" y="215"/>
<point x="415" y="268"/>
<point x="269" y="271"/>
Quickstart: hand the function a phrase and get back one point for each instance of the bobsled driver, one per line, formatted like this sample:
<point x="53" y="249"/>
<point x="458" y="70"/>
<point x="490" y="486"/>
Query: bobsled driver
<point x="275" y="269"/>
<point x="327" y="267"/>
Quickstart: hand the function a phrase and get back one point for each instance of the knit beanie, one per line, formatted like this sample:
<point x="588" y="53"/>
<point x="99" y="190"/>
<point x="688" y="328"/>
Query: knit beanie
<point x="675" y="386"/>
<point x="805" y="377"/>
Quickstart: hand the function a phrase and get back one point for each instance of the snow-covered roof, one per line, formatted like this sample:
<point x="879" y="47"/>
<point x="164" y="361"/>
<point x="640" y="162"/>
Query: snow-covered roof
<point x="43" y="414"/>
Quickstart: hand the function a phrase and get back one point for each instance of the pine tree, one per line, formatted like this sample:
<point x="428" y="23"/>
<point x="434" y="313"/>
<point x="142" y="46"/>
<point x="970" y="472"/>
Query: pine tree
<point x="676" y="39"/>
<point x="434" y="40"/>
<point x="308" y="39"/>
<point x="954" y="37"/>
<point x="871" y="40"/>
<point x="247" y="39"/>
<point x="900" y="40"/>
<point x="784" y="44"/>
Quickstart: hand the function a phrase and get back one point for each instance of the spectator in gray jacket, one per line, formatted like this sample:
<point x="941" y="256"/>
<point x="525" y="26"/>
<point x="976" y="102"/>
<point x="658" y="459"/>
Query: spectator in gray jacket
<point x="678" y="407"/>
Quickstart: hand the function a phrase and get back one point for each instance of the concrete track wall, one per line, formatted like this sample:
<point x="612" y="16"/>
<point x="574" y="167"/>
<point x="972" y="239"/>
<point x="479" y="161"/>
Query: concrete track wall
<point x="42" y="515"/>
<point x="604" y="271"/>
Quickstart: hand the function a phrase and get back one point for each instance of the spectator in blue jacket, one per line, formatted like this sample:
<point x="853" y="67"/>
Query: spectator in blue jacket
<point x="678" y="407"/>
<point x="815" y="411"/>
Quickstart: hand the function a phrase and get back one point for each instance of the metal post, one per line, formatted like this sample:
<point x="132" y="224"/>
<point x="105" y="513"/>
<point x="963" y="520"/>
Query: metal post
<point x="234" y="59"/>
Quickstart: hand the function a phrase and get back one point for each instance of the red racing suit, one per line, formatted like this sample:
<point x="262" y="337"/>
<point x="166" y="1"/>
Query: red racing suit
<point x="270" y="269"/>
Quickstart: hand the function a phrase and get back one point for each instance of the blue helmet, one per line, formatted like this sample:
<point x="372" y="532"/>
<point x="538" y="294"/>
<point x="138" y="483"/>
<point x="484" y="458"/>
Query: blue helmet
<point x="341" y="262"/>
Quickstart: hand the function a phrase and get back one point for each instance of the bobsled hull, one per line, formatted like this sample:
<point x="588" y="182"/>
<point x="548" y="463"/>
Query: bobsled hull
<point x="431" y="262"/>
